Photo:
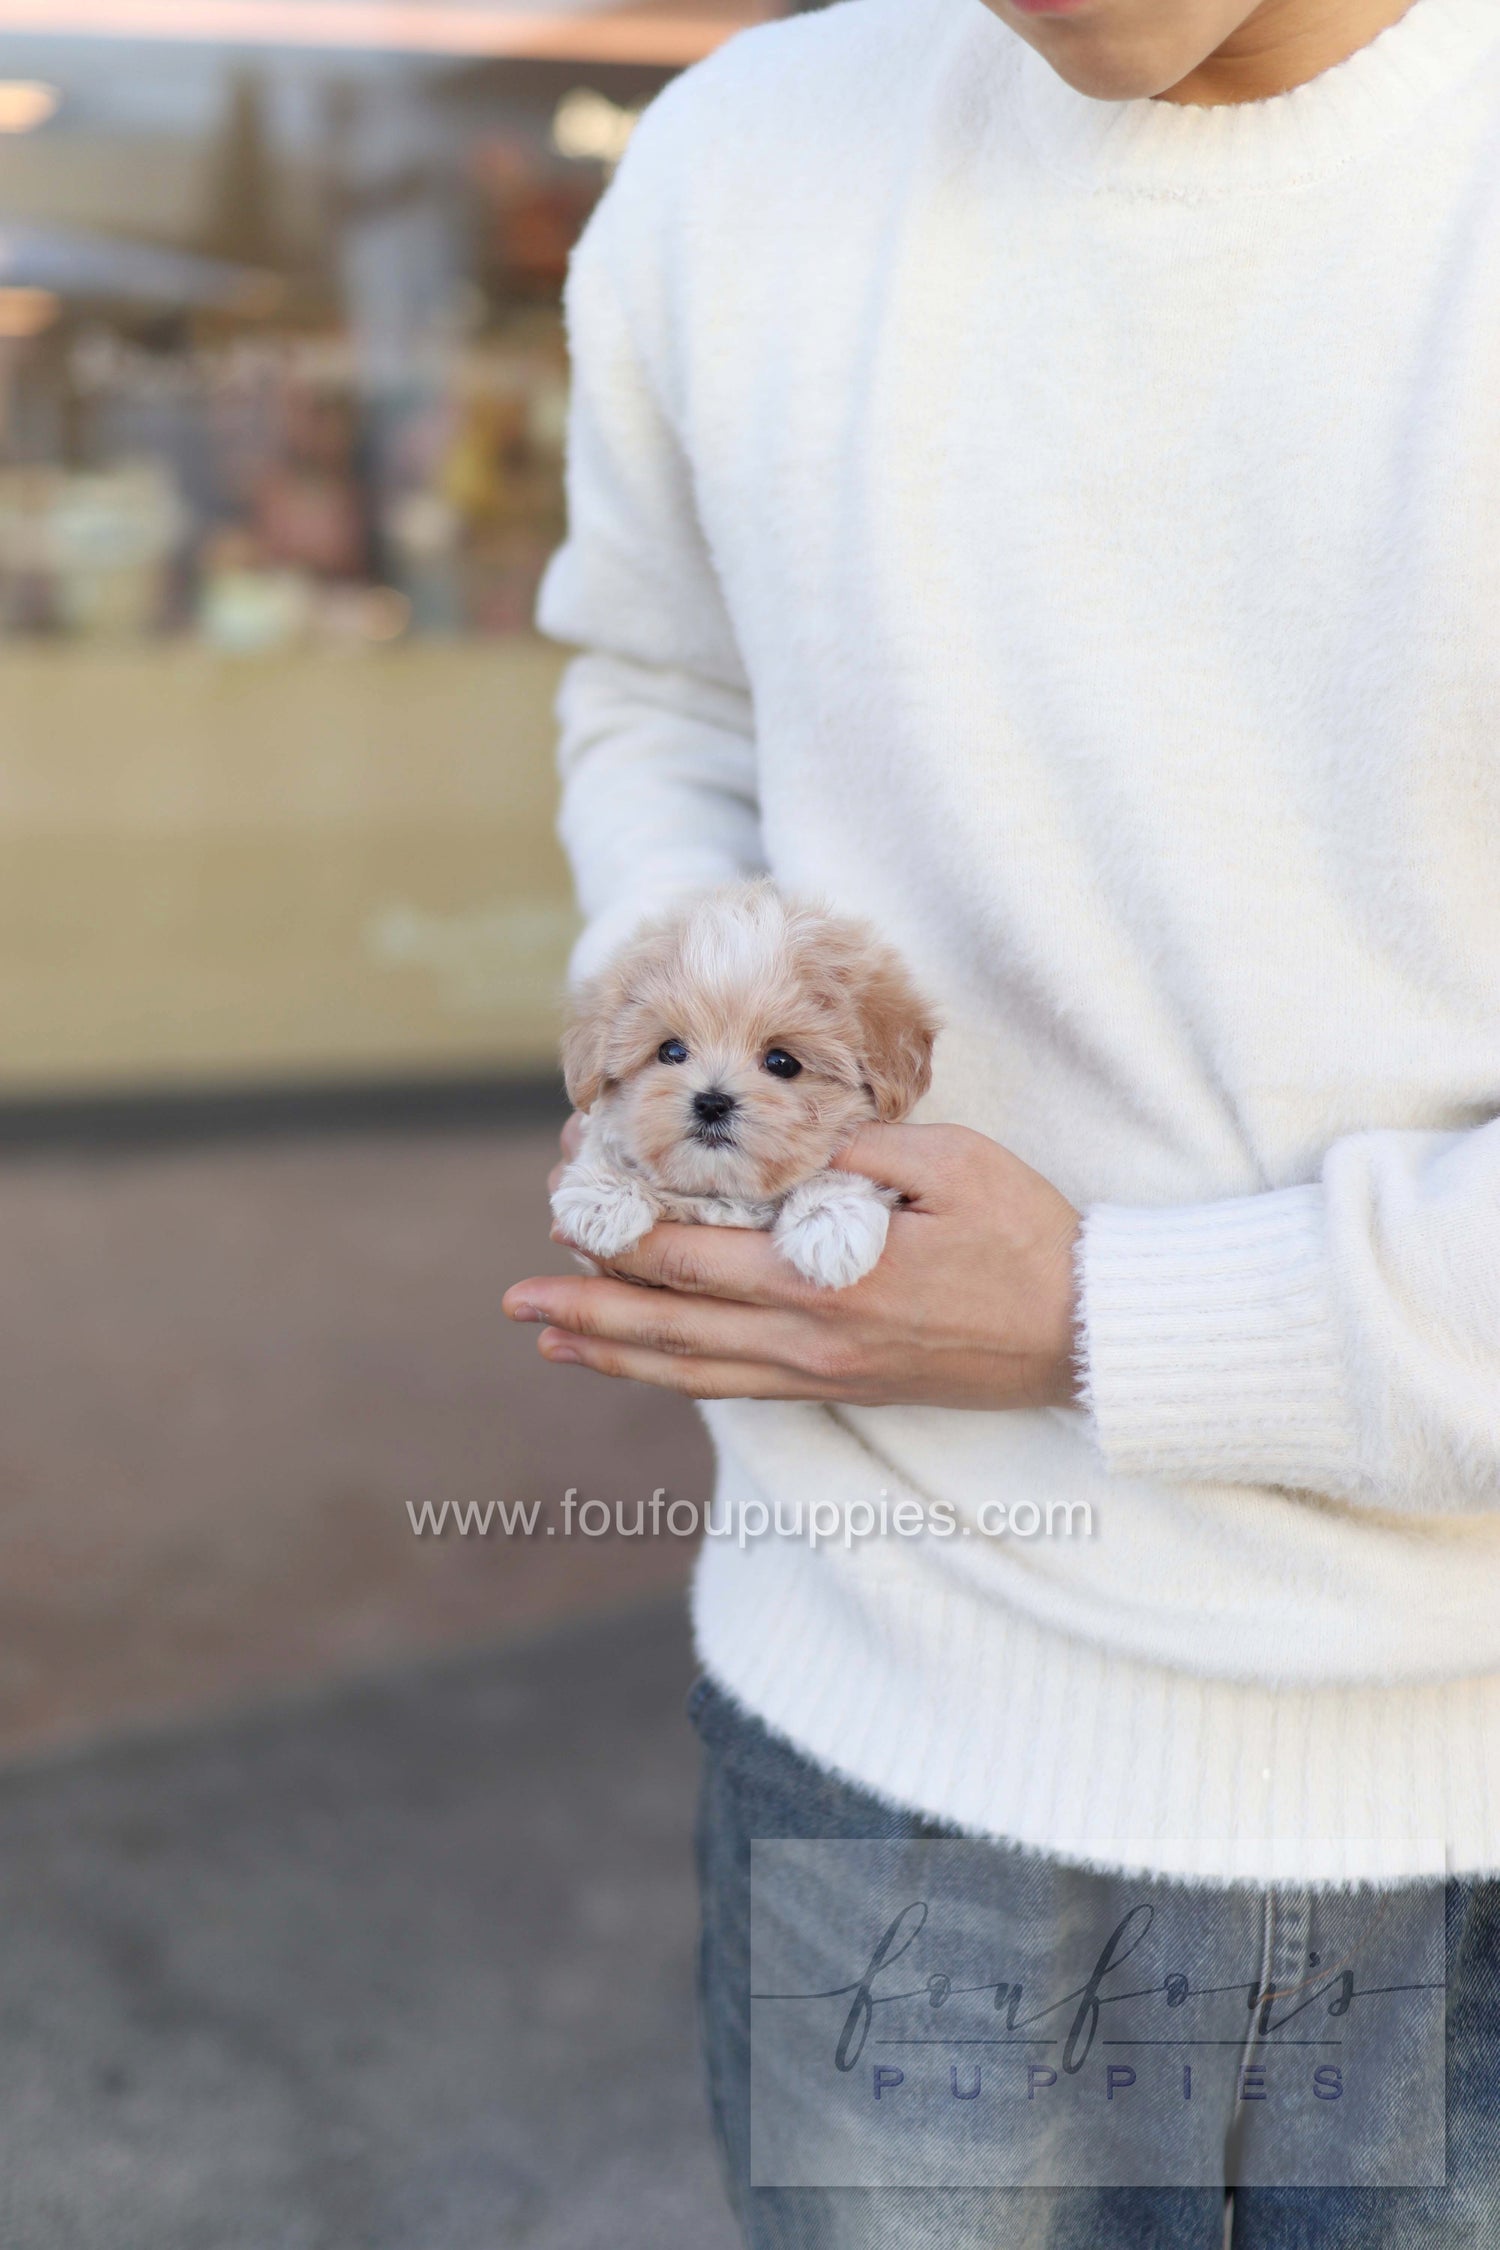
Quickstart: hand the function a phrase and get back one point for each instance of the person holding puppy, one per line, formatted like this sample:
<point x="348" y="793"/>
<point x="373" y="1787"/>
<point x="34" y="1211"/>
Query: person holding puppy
<point x="1035" y="487"/>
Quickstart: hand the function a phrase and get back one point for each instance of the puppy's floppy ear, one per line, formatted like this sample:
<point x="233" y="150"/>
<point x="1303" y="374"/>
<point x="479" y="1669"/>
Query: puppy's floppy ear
<point x="897" y="1030"/>
<point x="606" y="1036"/>
<point x="585" y="1039"/>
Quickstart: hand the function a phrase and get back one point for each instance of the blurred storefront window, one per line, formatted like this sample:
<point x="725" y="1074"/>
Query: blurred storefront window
<point x="283" y="392"/>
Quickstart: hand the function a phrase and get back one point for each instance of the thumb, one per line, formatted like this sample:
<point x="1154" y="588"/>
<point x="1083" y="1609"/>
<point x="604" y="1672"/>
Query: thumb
<point x="904" y="1157"/>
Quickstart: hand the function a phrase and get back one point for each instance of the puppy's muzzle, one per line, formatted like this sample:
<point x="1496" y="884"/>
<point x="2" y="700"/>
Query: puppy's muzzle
<point x="713" y="1117"/>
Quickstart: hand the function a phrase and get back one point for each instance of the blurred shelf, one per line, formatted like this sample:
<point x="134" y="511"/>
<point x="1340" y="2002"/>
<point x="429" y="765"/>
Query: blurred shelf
<point x="167" y="1116"/>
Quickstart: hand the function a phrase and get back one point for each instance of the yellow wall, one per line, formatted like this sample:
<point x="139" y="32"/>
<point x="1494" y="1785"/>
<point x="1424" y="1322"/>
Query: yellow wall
<point x="218" y="869"/>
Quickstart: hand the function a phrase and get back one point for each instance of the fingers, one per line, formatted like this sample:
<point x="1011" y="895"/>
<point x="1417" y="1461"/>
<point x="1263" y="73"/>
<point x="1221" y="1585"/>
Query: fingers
<point x="731" y="1262"/>
<point x="665" y="1371"/>
<point x="661" y="1322"/>
<point x="921" y="1162"/>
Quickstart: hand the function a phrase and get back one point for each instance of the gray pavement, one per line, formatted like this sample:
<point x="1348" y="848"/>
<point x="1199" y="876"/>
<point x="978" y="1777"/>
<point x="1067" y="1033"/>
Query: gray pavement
<point x="225" y="1371"/>
<point x="403" y="1966"/>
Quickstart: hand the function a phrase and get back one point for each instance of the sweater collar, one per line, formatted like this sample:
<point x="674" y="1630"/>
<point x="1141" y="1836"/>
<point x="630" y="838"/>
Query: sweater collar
<point x="1179" y="150"/>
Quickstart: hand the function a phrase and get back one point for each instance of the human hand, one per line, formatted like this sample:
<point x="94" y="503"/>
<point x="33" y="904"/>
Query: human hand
<point x="971" y="1305"/>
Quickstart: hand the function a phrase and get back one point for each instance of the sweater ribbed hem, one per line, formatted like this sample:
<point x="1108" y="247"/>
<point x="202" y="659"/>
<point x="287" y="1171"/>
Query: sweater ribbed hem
<point x="975" y="1716"/>
<point x="1168" y="1299"/>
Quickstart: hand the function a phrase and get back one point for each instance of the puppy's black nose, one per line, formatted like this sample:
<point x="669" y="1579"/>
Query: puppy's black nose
<point x="712" y="1106"/>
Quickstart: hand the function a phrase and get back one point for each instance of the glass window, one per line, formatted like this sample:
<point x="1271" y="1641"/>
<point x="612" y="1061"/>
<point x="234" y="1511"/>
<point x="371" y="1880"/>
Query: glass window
<point x="282" y="403"/>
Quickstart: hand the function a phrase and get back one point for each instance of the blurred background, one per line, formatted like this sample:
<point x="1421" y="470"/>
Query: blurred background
<point x="345" y="1872"/>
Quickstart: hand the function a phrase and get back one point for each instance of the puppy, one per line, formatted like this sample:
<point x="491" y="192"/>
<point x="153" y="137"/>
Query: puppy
<point x="723" y="1057"/>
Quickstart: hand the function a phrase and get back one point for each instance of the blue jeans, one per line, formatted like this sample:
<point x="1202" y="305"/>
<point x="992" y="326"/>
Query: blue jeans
<point x="755" y="1786"/>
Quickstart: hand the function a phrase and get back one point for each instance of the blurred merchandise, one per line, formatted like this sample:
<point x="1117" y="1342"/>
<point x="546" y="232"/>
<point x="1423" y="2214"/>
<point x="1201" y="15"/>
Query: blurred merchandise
<point x="283" y="398"/>
<point x="87" y="552"/>
<point x="113" y="533"/>
<point x="244" y="608"/>
<point x="423" y="532"/>
<point x="27" y="602"/>
<point x="337" y="362"/>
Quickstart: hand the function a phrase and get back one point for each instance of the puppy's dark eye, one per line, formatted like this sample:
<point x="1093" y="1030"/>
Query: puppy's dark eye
<point x="782" y="1065"/>
<point x="671" y="1051"/>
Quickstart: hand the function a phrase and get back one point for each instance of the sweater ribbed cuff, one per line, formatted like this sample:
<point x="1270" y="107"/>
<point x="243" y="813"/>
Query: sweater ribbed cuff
<point x="1208" y="1344"/>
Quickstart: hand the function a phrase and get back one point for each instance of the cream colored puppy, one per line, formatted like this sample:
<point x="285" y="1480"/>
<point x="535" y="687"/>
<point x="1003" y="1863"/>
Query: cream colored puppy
<point x="723" y="1057"/>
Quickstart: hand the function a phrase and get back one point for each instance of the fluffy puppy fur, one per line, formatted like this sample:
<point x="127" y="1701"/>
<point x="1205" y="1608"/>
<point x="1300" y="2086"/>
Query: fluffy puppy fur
<point x="723" y="1057"/>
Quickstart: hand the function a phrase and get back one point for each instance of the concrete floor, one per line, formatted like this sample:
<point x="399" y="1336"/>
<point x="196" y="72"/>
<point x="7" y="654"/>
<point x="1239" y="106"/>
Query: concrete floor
<point x="345" y="1899"/>
<point x="404" y="1968"/>
<point x="225" y="1371"/>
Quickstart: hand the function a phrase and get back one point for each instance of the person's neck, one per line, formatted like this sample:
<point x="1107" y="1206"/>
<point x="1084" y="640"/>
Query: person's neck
<point x="1282" y="45"/>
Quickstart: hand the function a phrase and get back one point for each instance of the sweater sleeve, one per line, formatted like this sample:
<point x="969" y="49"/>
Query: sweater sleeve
<point x="657" y="743"/>
<point x="1342" y="1337"/>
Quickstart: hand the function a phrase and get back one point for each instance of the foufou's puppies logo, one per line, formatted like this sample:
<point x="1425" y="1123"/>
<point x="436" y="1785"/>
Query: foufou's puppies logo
<point x="724" y="1056"/>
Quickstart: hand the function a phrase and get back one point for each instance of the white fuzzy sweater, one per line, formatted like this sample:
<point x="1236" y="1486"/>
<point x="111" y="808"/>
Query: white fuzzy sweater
<point x="1069" y="534"/>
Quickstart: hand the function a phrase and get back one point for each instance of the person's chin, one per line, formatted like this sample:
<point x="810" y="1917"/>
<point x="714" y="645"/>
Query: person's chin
<point x="1086" y="56"/>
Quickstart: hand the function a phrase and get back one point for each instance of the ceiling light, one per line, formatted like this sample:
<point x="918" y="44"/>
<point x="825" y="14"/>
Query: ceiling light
<point x="26" y="312"/>
<point x="668" y="32"/>
<point x="26" y="103"/>
<point x="590" y="127"/>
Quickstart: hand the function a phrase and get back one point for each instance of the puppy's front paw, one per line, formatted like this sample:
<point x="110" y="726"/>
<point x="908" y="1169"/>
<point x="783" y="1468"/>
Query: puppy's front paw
<point x="601" y="1213"/>
<point x="832" y="1229"/>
